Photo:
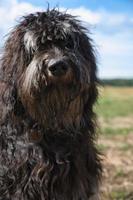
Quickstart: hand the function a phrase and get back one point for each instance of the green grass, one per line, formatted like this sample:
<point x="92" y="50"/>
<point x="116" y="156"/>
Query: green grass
<point x="115" y="102"/>
<point x="118" y="195"/>
<point x="112" y="107"/>
<point x="102" y="147"/>
<point x="123" y="147"/>
<point x="112" y="131"/>
<point x="115" y="112"/>
<point x="126" y="147"/>
<point x="119" y="173"/>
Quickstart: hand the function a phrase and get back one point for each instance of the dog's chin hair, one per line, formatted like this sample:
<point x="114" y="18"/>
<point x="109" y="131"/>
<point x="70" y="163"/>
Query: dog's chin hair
<point x="47" y="109"/>
<point x="66" y="113"/>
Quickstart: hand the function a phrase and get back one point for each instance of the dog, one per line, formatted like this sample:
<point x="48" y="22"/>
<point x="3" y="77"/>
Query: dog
<point x="48" y="87"/>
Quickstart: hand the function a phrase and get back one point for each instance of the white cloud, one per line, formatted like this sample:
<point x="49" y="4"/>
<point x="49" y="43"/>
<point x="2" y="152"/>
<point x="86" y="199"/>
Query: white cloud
<point x="113" y="34"/>
<point x="116" y="54"/>
<point x="131" y="20"/>
<point x="86" y="15"/>
<point x="101" y="17"/>
<point x="113" y="19"/>
<point x="117" y="44"/>
<point x="11" y="10"/>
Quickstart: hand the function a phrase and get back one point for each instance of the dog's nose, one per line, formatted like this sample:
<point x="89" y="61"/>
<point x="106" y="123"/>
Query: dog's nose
<point x="58" y="69"/>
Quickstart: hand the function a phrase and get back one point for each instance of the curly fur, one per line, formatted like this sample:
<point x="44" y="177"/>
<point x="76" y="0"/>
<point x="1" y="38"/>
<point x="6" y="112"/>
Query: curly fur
<point x="47" y="123"/>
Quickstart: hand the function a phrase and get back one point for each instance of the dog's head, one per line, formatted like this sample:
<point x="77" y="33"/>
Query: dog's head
<point x="49" y="59"/>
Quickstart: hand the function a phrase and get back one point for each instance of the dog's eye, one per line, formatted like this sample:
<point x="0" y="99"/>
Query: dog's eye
<point x="69" y="45"/>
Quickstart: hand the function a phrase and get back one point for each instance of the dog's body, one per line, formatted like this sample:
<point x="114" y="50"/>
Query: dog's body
<point x="48" y="89"/>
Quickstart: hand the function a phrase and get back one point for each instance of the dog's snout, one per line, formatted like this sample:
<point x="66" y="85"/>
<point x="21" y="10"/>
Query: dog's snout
<point x="58" y="69"/>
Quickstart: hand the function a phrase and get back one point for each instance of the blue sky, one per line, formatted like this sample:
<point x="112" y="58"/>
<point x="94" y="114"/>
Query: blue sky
<point x="110" y="22"/>
<point x="115" y="5"/>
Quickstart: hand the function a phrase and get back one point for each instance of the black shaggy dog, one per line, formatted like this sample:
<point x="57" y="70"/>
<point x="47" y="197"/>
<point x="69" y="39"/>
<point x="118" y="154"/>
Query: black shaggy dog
<point x="48" y="87"/>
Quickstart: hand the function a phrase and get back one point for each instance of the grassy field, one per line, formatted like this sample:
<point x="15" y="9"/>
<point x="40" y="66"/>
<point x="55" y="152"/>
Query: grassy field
<point x="115" y="115"/>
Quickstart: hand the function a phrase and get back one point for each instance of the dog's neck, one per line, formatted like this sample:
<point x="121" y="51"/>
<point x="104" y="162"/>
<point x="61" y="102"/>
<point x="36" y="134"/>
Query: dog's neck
<point x="66" y="159"/>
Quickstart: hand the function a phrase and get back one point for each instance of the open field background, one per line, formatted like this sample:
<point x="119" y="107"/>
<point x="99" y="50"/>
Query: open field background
<point x="115" y="114"/>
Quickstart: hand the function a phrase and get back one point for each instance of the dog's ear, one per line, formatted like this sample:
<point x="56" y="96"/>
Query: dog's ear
<point x="87" y="50"/>
<point x="14" y="56"/>
<point x="13" y="61"/>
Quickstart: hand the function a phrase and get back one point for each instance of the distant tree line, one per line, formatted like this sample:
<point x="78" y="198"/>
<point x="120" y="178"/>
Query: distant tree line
<point x="117" y="82"/>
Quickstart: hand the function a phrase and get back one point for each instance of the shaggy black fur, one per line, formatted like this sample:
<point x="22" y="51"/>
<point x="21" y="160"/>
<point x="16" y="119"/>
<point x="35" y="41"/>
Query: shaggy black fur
<point x="48" y="87"/>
